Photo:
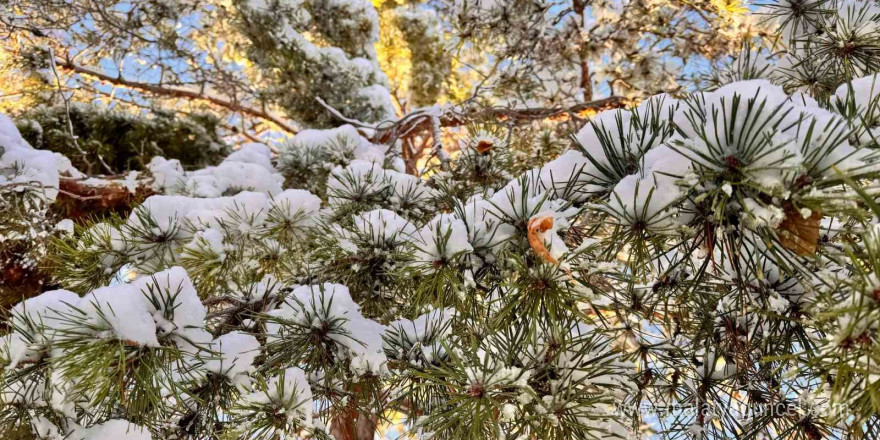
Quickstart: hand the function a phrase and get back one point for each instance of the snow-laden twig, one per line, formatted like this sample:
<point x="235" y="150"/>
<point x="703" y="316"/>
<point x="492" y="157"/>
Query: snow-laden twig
<point x="342" y="117"/>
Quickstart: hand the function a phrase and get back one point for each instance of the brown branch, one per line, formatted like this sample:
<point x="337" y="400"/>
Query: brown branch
<point x="421" y="121"/>
<point x="531" y="114"/>
<point x="81" y="197"/>
<point x="579" y="8"/>
<point x="175" y="92"/>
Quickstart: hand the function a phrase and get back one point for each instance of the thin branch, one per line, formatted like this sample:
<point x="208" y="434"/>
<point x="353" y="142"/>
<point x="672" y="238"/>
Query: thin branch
<point x="73" y="135"/>
<point x="342" y="117"/>
<point x="222" y="299"/>
<point x="437" y="145"/>
<point x="456" y="116"/>
<point x="175" y="92"/>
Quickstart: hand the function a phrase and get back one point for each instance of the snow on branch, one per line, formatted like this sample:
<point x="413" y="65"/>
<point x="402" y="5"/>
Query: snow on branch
<point x="421" y="120"/>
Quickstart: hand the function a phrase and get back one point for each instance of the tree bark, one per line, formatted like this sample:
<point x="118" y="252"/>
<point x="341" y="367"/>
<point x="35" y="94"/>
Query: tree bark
<point x="586" y="83"/>
<point x="351" y="425"/>
<point x="79" y="197"/>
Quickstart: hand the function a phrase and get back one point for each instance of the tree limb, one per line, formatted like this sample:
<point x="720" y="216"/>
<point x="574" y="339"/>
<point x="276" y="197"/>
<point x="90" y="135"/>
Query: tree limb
<point x="176" y="92"/>
<point x="456" y="117"/>
<point x="78" y="197"/>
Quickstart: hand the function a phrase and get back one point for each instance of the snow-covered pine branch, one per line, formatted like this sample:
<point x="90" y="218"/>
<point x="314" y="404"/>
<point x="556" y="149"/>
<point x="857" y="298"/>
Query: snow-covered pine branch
<point x="699" y="265"/>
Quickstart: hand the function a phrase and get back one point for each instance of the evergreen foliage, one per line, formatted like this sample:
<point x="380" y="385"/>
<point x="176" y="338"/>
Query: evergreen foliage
<point x="700" y="266"/>
<point x="125" y="142"/>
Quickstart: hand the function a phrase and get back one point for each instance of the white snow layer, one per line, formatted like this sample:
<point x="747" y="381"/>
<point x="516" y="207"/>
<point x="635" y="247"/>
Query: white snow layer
<point x="21" y="164"/>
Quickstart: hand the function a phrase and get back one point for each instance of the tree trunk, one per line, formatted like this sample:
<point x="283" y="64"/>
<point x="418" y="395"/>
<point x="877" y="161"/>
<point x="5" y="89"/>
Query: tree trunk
<point x="586" y="83"/>
<point x="353" y="426"/>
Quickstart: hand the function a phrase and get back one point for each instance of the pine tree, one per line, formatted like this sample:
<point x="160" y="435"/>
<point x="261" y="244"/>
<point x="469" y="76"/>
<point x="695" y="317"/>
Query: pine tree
<point x="701" y="265"/>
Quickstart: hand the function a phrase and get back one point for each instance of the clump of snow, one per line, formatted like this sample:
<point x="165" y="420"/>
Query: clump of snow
<point x="862" y="91"/>
<point x="15" y="349"/>
<point x="491" y="373"/>
<point x="570" y="176"/>
<point x="419" y="341"/>
<point x="713" y="140"/>
<point x="172" y="299"/>
<point x="247" y="169"/>
<point x="762" y="215"/>
<point x="665" y="166"/>
<point x="343" y="140"/>
<point x="861" y="99"/>
<point x="368" y="183"/>
<point x="487" y="234"/>
<point x="36" y="323"/>
<point x="168" y="174"/>
<point x="209" y="240"/>
<point x="384" y="226"/>
<point x="825" y="149"/>
<point x="313" y="153"/>
<point x="231" y="177"/>
<point x="122" y="311"/>
<point x="441" y="239"/>
<point x="639" y="203"/>
<point x="65" y="226"/>
<point x="289" y="392"/>
<point x="330" y="306"/>
<point x="136" y="313"/>
<point x="21" y="164"/>
<point x="176" y="218"/>
<point x="115" y="429"/>
<point x="232" y="354"/>
<point x="519" y="199"/>
<point x="360" y="181"/>
<point x="646" y="199"/>
<point x="42" y="311"/>
<point x="44" y="428"/>
<point x="255" y="153"/>
<point x="409" y="193"/>
<point x="165" y="226"/>
<point x="296" y="207"/>
<point x="611" y="142"/>
<point x="378" y="98"/>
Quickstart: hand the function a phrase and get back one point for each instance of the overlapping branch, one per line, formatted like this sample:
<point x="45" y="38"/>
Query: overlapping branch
<point x="456" y="116"/>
